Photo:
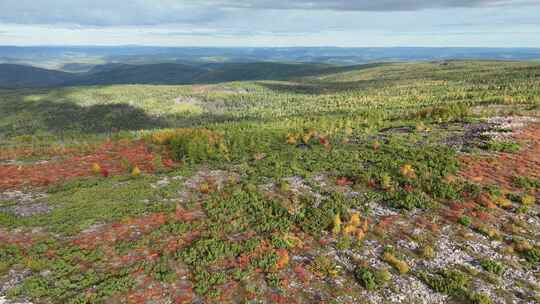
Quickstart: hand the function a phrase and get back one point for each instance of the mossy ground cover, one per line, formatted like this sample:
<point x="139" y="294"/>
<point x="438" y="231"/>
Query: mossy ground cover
<point x="335" y="188"/>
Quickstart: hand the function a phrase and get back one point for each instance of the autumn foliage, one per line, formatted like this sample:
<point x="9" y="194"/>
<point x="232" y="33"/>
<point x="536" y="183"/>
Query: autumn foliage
<point x="108" y="159"/>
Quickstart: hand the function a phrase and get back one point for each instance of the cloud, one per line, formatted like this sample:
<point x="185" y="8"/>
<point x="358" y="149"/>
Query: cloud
<point x="226" y="33"/>
<point x="370" y="5"/>
<point x="155" y="12"/>
<point x="105" y="12"/>
<point x="271" y="22"/>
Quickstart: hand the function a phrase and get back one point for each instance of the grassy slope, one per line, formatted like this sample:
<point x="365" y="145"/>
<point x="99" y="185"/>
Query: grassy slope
<point x="387" y="90"/>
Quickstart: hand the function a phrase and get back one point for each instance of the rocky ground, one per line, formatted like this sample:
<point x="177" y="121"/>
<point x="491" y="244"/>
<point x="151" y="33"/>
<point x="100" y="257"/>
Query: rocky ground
<point x="396" y="256"/>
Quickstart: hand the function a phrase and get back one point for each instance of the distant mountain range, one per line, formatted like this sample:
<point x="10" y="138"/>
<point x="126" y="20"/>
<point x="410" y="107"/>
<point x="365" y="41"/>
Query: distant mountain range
<point x="66" y="66"/>
<point x="86" y="56"/>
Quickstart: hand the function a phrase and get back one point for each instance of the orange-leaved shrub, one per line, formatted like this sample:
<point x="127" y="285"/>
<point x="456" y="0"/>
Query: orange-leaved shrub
<point x="192" y="144"/>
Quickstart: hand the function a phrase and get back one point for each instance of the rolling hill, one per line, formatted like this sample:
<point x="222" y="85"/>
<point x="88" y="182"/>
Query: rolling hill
<point x="162" y="73"/>
<point x="21" y="76"/>
<point x="16" y="76"/>
<point x="65" y="66"/>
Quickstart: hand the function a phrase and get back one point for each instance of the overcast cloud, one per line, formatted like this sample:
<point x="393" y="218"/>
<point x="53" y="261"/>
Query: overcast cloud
<point x="272" y="22"/>
<point x="366" y="5"/>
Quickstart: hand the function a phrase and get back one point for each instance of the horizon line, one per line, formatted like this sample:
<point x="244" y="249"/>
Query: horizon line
<point x="269" y="47"/>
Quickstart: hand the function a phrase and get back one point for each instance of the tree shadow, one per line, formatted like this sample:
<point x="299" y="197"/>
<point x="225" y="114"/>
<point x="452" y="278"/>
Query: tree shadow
<point x="65" y="117"/>
<point x="57" y="115"/>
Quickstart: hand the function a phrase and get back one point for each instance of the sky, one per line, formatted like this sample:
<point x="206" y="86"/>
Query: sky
<point x="272" y="23"/>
